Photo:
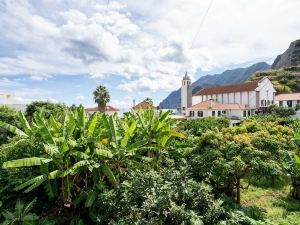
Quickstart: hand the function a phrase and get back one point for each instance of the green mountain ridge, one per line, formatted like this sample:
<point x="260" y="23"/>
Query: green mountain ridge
<point x="285" y="79"/>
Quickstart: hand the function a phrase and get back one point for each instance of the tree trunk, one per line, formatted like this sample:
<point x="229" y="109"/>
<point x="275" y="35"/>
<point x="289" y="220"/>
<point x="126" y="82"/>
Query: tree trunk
<point x="101" y="108"/>
<point x="295" y="189"/>
<point x="238" y="191"/>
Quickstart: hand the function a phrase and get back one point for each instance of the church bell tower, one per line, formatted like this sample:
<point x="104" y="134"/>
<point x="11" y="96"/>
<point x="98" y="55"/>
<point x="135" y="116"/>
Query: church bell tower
<point x="186" y="93"/>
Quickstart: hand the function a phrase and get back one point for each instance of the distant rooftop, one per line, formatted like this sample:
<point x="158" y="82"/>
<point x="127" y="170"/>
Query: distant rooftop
<point x="249" y="86"/>
<point x="286" y="97"/>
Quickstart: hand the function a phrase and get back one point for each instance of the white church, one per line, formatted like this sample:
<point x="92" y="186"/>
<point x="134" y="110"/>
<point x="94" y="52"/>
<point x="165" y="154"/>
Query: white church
<point x="234" y="101"/>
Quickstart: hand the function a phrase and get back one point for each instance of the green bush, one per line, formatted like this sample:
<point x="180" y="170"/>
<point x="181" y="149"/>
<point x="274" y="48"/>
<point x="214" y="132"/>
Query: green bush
<point x="7" y="115"/>
<point x="199" y="126"/>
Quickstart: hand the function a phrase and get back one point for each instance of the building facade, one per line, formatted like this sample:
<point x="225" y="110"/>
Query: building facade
<point x="208" y="108"/>
<point x="234" y="101"/>
<point x="256" y="95"/>
<point x="288" y="100"/>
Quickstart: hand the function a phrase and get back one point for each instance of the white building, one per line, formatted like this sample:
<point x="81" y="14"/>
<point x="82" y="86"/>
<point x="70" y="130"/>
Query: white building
<point x="186" y="93"/>
<point x="233" y="101"/>
<point x="256" y="95"/>
<point x="288" y="100"/>
<point x="213" y="108"/>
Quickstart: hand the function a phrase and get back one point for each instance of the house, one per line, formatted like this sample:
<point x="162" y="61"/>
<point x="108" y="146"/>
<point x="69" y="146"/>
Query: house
<point x="212" y="108"/>
<point x="109" y="110"/>
<point x="288" y="100"/>
<point x="235" y="101"/>
<point x="144" y="105"/>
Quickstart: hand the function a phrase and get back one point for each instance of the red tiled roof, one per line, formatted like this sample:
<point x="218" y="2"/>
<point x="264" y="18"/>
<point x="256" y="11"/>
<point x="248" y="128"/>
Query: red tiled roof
<point x="109" y="108"/>
<point x="285" y="97"/>
<point x="209" y="104"/>
<point x="249" y="86"/>
<point x="142" y="105"/>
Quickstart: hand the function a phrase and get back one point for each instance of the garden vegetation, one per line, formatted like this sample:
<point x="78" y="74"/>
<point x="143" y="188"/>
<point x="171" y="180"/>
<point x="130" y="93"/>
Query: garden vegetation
<point x="66" y="167"/>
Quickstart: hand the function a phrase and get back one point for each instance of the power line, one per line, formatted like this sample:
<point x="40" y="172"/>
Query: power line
<point x="202" y="22"/>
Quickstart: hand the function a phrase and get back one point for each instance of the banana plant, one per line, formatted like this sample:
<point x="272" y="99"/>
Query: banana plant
<point x="292" y="166"/>
<point x="70" y="154"/>
<point x="159" y="131"/>
<point x="21" y="215"/>
<point x="83" y="154"/>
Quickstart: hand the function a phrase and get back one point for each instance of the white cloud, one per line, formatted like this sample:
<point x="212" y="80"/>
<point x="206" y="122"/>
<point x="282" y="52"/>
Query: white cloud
<point x="146" y="42"/>
<point x="80" y="97"/>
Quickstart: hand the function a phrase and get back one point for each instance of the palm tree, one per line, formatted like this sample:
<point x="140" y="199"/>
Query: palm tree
<point x="101" y="97"/>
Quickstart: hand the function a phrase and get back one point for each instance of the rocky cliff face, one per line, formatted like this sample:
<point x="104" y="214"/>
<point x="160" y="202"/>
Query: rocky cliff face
<point x="291" y="57"/>
<point x="228" y="77"/>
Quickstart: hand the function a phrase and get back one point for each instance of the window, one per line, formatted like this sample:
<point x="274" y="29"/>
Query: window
<point x="213" y="113"/>
<point x="192" y="113"/>
<point x="280" y="103"/>
<point x="298" y="102"/>
<point x="269" y="102"/>
<point x="224" y="112"/>
<point x="219" y="113"/>
<point x="265" y="102"/>
<point x="245" y="113"/>
<point x="200" y="113"/>
<point x="249" y="113"/>
<point x="262" y="103"/>
<point x="289" y="103"/>
<point x="183" y="108"/>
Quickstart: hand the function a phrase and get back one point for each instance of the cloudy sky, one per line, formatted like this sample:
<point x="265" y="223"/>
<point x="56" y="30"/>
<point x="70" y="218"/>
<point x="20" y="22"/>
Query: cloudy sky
<point x="61" y="50"/>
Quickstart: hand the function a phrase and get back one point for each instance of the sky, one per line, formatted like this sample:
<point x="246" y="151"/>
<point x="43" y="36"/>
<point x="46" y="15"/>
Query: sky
<point x="60" y="50"/>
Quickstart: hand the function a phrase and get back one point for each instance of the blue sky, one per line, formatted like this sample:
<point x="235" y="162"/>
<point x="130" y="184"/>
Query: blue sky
<point x="61" y="50"/>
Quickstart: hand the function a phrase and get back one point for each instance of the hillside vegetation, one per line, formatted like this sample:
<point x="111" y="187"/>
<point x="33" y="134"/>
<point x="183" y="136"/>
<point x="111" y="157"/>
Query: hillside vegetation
<point x="285" y="80"/>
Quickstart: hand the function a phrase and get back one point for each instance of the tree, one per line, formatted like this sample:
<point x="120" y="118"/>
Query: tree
<point x="9" y="116"/>
<point x="49" y="108"/>
<point x="149" y="101"/>
<point x="224" y="158"/>
<point x="101" y="97"/>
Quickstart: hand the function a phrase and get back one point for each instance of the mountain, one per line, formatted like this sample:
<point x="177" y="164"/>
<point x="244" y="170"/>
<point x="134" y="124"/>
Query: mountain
<point x="291" y="57"/>
<point x="234" y="76"/>
<point x="285" y="73"/>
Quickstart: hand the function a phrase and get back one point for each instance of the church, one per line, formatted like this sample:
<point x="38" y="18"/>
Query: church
<point x="234" y="101"/>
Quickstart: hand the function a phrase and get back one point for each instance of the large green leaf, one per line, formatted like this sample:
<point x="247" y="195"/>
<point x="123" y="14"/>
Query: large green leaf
<point x="38" y="181"/>
<point x="128" y="134"/>
<point x="51" y="150"/>
<point x="12" y="129"/>
<point x="103" y="152"/>
<point x="54" y="125"/>
<point x="91" y="197"/>
<point x="76" y="167"/>
<point x="33" y="183"/>
<point x="24" y="123"/>
<point x="69" y="125"/>
<point x="109" y="174"/>
<point x="81" y="117"/>
<point x="92" y="124"/>
<point x="34" y="161"/>
<point x="43" y="130"/>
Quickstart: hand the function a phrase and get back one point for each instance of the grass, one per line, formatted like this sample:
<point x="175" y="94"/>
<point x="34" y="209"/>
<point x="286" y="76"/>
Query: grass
<point x="280" y="208"/>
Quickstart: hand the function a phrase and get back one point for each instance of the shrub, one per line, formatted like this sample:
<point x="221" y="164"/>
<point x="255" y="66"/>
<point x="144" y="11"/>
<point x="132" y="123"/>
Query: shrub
<point x="199" y="126"/>
<point x="7" y="115"/>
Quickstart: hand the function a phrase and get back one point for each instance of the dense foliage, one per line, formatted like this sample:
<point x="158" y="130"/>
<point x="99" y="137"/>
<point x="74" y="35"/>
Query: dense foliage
<point x="199" y="126"/>
<point x="49" y="108"/>
<point x="223" y="158"/>
<point x="9" y="116"/>
<point x="72" y="168"/>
